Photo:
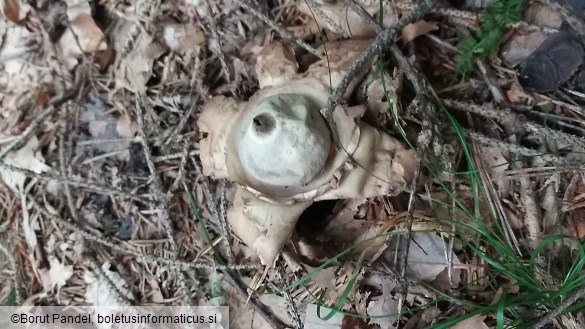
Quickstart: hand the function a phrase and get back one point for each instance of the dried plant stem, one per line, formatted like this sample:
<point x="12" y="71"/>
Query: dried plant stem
<point x="219" y="52"/>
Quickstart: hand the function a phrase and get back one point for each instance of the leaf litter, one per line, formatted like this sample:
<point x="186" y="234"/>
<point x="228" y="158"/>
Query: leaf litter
<point x="150" y="70"/>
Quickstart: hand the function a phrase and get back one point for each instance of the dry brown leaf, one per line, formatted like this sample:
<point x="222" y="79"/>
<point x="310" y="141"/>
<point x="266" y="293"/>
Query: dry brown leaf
<point x="384" y="304"/>
<point x="426" y="258"/>
<point x="496" y="164"/>
<point x="181" y="37"/>
<point x="11" y="10"/>
<point x="26" y="157"/>
<point x="325" y="278"/>
<point x="415" y="30"/>
<point x="520" y="46"/>
<point x="474" y="322"/>
<point x="84" y="36"/>
<point x="57" y="275"/>
<point x="543" y="15"/>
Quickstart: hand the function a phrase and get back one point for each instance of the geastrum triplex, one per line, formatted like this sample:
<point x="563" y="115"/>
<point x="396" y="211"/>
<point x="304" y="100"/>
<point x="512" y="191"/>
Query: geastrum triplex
<point x="281" y="153"/>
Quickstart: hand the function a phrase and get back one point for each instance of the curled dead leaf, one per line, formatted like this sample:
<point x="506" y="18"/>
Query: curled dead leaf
<point x="415" y="30"/>
<point x="11" y="10"/>
<point x="84" y="36"/>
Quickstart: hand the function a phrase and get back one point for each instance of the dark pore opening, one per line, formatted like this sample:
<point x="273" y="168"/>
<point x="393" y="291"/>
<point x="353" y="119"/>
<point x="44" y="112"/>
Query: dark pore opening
<point x="264" y="123"/>
<point x="316" y="217"/>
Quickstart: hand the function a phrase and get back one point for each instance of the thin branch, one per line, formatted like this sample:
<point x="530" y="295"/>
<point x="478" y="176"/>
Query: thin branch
<point x="266" y="313"/>
<point x="52" y="106"/>
<point x="157" y="184"/>
<point x="383" y="39"/>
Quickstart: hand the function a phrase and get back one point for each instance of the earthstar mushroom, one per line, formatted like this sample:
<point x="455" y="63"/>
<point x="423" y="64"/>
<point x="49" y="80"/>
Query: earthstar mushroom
<point x="282" y="154"/>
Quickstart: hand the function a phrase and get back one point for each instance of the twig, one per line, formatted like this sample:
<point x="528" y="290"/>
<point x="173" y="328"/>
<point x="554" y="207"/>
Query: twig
<point x="290" y="302"/>
<point x="157" y="188"/>
<point x="267" y="314"/>
<point x="224" y="226"/>
<point x="383" y="39"/>
<point x="282" y="31"/>
<point x="173" y="156"/>
<point x="52" y="106"/>
<point x="426" y="136"/>
<point x="507" y="116"/>
<point x="181" y="173"/>
<point x="63" y="154"/>
<point x="220" y="54"/>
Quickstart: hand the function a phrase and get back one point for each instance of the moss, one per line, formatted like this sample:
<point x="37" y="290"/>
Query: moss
<point x="485" y="39"/>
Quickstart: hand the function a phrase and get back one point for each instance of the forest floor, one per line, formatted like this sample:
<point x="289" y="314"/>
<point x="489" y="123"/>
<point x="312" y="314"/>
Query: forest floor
<point x="105" y="199"/>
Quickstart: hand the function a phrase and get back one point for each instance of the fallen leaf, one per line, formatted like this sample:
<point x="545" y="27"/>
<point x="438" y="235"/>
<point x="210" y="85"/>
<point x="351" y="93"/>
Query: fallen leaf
<point x="26" y="157"/>
<point x="325" y="278"/>
<point x="540" y="14"/>
<point x="57" y="275"/>
<point x="314" y="321"/>
<point x="11" y="10"/>
<point x="181" y="37"/>
<point x="84" y="36"/>
<point x="384" y="304"/>
<point x="520" y="46"/>
<point x="384" y="311"/>
<point x="426" y="258"/>
<point x="474" y="322"/>
<point x="496" y="164"/>
<point x="101" y="294"/>
<point x="341" y="19"/>
<point x="415" y="30"/>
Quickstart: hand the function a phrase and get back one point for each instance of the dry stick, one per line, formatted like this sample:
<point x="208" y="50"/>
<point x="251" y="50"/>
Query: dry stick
<point x="181" y="173"/>
<point x="158" y="191"/>
<point x="266" y="313"/>
<point x="384" y="38"/>
<point x="62" y="161"/>
<point x="290" y="302"/>
<point x="51" y="107"/>
<point x="560" y="309"/>
<point x="220" y="54"/>
<point x="174" y="156"/>
<point x="224" y="226"/>
<point x="506" y="116"/>
<point x="281" y="30"/>
<point x="426" y="136"/>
